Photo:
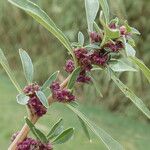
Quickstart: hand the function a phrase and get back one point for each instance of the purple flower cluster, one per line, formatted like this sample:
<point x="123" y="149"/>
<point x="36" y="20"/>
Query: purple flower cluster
<point x="69" y="67"/>
<point x="34" y="103"/>
<point x="61" y="95"/>
<point x="32" y="144"/>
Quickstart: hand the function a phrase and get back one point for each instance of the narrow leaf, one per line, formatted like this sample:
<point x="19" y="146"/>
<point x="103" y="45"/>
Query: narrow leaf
<point x="64" y="136"/>
<point x="85" y="128"/>
<point x="42" y="98"/>
<point x="142" y="66"/>
<point x="5" y="65"/>
<point x="73" y="78"/>
<point x="109" y="142"/>
<point x="32" y="127"/>
<point x="105" y="8"/>
<point x="56" y="129"/>
<point x="27" y="65"/>
<point x="91" y="7"/>
<point x="40" y="135"/>
<point x="22" y="99"/>
<point x="129" y="94"/>
<point x="41" y="17"/>
<point x="49" y="81"/>
<point x="81" y="38"/>
<point x="97" y="87"/>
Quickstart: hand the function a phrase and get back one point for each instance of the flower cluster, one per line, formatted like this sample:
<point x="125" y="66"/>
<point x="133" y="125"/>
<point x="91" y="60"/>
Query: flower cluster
<point x="69" y="66"/>
<point x="61" y="95"/>
<point x="34" y="103"/>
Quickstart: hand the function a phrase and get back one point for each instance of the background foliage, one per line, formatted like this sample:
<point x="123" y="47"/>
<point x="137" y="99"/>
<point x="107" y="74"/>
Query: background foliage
<point x="18" y="30"/>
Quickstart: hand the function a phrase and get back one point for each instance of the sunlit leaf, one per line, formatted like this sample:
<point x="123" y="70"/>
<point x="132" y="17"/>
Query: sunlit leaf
<point x="91" y="7"/>
<point x="27" y="65"/>
<point x="64" y="136"/>
<point x="109" y="142"/>
<point x="81" y="38"/>
<point x="5" y="65"/>
<point x="22" y="99"/>
<point x="42" y="98"/>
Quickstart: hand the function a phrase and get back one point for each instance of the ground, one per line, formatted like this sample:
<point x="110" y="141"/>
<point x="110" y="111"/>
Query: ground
<point x="132" y="134"/>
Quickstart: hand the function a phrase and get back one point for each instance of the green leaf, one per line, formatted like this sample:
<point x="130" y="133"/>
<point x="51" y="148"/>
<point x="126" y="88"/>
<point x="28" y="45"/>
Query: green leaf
<point x="5" y="65"/>
<point x="31" y="126"/>
<point x="97" y="87"/>
<point x="22" y="99"/>
<point x="121" y="66"/>
<point x="42" y="98"/>
<point x="84" y="127"/>
<point x="49" y="81"/>
<point x="81" y="38"/>
<point x="130" y="51"/>
<point x="135" y="31"/>
<point x="40" y="135"/>
<point x="91" y="7"/>
<point x="27" y="65"/>
<point x="36" y="132"/>
<point x="41" y="17"/>
<point x="73" y="78"/>
<point x="56" y="129"/>
<point x="97" y="28"/>
<point x="105" y="8"/>
<point x="142" y="66"/>
<point x="129" y="94"/>
<point x="64" y="136"/>
<point x="109" y="142"/>
<point x="109" y="34"/>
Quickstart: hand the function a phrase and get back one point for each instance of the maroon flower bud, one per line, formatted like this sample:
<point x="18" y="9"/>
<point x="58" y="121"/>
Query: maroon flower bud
<point x="80" y="53"/>
<point x="83" y="78"/>
<point x="32" y="144"/>
<point x="95" y="37"/>
<point x="69" y="66"/>
<point x="30" y="89"/>
<point x="112" y="26"/>
<point x="123" y="30"/>
<point x="61" y="95"/>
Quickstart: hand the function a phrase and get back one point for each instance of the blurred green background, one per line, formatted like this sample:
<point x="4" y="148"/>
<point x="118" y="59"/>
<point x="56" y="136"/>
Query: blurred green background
<point x="115" y="113"/>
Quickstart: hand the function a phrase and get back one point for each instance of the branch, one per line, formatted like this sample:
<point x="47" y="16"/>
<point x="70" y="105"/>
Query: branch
<point x="25" y="130"/>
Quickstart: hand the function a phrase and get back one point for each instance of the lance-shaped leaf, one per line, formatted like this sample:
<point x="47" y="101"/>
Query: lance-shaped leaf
<point x="105" y="8"/>
<point x="129" y="94"/>
<point x="49" y="81"/>
<point x="22" y="99"/>
<point x="81" y="38"/>
<point x="64" y="136"/>
<point x="36" y="132"/>
<point x="142" y="66"/>
<point x="56" y="129"/>
<point x="40" y="16"/>
<point x="121" y="66"/>
<point x="85" y="129"/>
<point x="42" y="98"/>
<point x="96" y="86"/>
<point x="27" y="65"/>
<point x="91" y="7"/>
<point x="73" y="78"/>
<point x="5" y="65"/>
<point x="109" y="142"/>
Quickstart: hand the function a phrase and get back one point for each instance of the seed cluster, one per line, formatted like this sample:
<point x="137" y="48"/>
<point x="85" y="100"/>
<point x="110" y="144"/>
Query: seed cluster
<point x="34" y="102"/>
<point x="61" y="95"/>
